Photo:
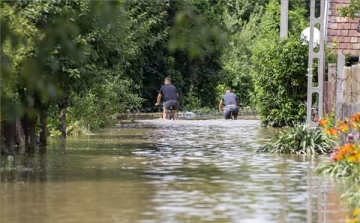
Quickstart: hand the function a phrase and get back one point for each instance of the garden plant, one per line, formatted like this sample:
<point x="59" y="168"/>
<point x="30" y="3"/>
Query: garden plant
<point x="345" y="158"/>
<point x="299" y="139"/>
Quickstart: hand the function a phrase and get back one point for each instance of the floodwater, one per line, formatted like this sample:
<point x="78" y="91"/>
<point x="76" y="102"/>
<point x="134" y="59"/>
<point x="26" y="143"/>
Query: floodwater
<point x="167" y="171"/>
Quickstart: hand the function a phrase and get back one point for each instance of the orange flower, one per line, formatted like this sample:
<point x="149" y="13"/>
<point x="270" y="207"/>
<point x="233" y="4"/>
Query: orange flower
<point x="343" y="127"/>
<point x="333" y="131"/>
<point x="356" y="118"/>
<point x="323" y="122"/>
<point x="338" y="157"/>
<point x="348" y="148"/>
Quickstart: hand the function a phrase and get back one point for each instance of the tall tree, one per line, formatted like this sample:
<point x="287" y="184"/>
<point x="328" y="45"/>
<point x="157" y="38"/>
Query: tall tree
<point x="278" y="68"/>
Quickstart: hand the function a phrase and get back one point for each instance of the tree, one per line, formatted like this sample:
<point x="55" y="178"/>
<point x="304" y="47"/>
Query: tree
<point x="278" y="68"/>
<point x="74" y="45"/>
<point x="241" y="19"/>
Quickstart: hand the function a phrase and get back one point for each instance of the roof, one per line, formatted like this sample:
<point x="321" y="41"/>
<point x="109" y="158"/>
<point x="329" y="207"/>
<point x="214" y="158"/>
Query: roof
<point x="342" y="30"/>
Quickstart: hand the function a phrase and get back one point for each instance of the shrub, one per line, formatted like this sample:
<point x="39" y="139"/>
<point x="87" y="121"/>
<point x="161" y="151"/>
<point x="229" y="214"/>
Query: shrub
<point x="299" y="139"/>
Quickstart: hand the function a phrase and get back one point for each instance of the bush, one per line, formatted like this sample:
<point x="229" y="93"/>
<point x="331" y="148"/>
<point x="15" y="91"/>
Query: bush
<point x="279" y="66"/>
<point x="299" y="139"/>
<point x="280" y="82"/>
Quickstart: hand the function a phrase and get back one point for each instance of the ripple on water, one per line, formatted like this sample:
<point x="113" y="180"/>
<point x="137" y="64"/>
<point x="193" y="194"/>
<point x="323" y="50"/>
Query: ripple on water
<point x="171" y="171"/>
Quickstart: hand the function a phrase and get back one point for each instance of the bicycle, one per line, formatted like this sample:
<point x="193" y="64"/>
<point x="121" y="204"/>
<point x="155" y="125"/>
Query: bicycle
<point x="170" y="115"/>
<point x="229" y="115"/>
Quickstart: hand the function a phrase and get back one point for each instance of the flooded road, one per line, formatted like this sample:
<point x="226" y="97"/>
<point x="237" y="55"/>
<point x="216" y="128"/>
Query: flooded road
<point x="167" y="171"/>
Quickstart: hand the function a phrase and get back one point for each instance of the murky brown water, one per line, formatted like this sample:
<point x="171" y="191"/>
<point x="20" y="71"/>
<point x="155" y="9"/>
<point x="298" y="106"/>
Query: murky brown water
<point x="167" y="171"/>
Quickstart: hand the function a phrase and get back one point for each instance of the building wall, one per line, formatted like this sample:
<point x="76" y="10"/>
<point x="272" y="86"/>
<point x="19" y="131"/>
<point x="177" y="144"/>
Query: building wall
<point x="341" y="31"/>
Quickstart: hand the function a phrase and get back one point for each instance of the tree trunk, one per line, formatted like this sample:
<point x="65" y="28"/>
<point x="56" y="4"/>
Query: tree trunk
<point x="2" y="139"/>
<point x="19" y="135"/>
<point x="63" y="123"/>
<point x="25" y="126"/>
<point x="44" y="132"/>
<point x="32" y="134"/>
<point x="8" y="132"/>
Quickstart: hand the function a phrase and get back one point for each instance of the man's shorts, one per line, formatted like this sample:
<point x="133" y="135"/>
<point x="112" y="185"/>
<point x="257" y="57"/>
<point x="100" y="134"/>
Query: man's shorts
<point x="174" y="104"/>
<point x="234" y="109"/>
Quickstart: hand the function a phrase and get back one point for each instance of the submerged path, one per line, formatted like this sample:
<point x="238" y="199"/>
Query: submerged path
<point x="169" y="171"/>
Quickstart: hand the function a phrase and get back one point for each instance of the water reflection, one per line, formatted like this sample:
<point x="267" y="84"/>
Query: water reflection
<point x="166" y="171"/>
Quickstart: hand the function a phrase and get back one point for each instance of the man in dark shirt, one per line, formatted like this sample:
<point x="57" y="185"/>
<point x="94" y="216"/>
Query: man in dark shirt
<point x="231" y="104"/>
<point x="170" y="98"/>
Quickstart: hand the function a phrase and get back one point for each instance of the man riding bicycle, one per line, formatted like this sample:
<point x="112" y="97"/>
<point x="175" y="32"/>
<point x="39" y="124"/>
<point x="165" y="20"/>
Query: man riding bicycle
<point x="171" y="98"/>
<point x="231" y="104"/>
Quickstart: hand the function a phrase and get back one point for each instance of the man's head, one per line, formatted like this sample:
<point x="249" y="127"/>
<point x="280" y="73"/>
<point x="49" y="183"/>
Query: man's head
<point x="167" y="80"/>
<point x="228" y="90"/>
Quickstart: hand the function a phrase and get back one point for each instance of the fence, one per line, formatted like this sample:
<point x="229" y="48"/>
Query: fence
<point x="342" y="89"/>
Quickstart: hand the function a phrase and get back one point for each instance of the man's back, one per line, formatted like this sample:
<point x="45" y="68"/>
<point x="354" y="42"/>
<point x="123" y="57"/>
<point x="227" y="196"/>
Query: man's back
<point x="229" y="99"/>
<point x="169" y="92"/>
<point x="171" y="99"/>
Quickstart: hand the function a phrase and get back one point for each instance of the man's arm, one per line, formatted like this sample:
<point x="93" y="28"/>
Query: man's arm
<point x="158" y="99"/>
<point x="221" y="104"/>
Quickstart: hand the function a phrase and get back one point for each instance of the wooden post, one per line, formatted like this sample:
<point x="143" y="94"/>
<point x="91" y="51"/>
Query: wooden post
<point x="348" y="84"/>
<point x="330" y="90"/>
<point x="355" y="84"/>
<point x="340" y="84"/>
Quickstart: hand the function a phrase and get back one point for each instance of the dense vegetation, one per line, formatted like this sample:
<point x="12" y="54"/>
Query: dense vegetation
<point x="70" y="65"/>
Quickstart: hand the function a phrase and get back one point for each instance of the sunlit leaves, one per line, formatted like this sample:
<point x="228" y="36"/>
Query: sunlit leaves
<point x="351" y="10"/>
<point x="193" y="33"/>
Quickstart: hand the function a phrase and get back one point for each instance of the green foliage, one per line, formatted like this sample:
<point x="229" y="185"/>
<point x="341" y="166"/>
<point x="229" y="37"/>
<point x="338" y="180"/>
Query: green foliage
<point x="299" y="139"/>
<point x="77" y="128"/>
<point x="110" y="56"/>
<point x="173" y="39"/>
<point x="236" y="62"/>
<point x="353" y="194"/>
<point x="63" y="49"/>
<point x="341" y="168"/>
<point x="351" y="9"/>
<point x="345" y="157"/>
<point x="196" y="28"/>
<point x="192" y="102"/>
<point x="279" y="70"/>
<point x="99" y="105"/>
<point x="344" y="160"/>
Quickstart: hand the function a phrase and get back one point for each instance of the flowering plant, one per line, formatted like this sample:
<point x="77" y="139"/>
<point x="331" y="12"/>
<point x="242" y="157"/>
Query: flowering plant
<point x="345" y="158"/>
<point x="354" y="218"/>
<point x="347" y="134"/>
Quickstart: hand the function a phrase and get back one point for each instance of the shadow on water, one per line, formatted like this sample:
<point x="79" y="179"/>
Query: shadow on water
<point x="167" y="171"/>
